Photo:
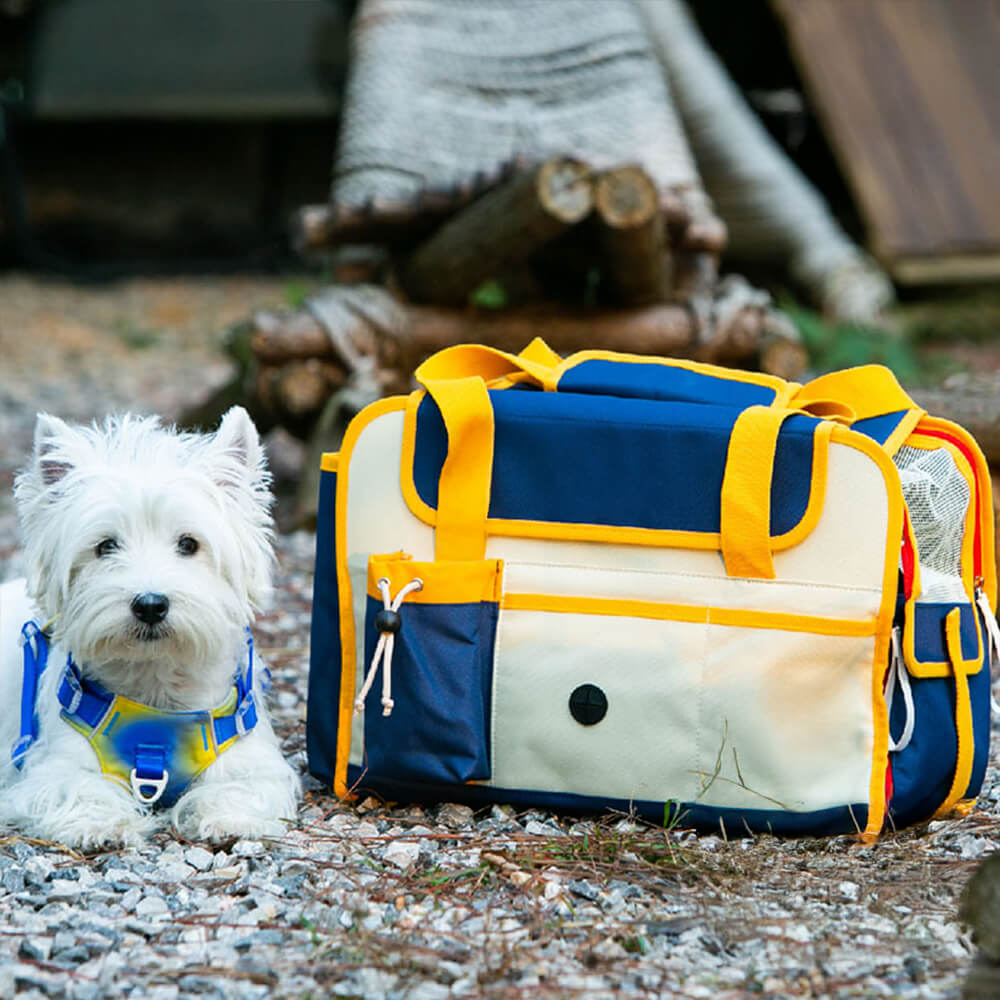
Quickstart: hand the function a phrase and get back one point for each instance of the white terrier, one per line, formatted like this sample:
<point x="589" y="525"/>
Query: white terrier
<point x="148" y="552"/>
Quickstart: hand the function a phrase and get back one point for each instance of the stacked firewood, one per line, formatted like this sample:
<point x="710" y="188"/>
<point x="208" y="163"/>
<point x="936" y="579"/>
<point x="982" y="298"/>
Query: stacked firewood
<point x="541" y="235"/>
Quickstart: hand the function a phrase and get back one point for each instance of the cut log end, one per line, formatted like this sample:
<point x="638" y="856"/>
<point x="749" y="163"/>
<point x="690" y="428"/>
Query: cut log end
<point x="626" y="198"/>
<point x="564" y="190"/>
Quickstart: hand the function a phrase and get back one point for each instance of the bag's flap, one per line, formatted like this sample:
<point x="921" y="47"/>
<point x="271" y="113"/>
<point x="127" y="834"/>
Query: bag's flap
<point x="641" y="463"/>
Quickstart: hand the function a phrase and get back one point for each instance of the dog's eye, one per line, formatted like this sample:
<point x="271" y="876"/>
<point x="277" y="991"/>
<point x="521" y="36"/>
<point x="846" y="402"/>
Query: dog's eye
<point x="187" y="546"/>
<point x="105" y="547"/>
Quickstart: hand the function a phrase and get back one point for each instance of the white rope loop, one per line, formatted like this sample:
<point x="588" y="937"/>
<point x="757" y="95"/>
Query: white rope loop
<point x="899" y="674"/>
<point x="384" y="647"/>
<point x="993" y="638"/>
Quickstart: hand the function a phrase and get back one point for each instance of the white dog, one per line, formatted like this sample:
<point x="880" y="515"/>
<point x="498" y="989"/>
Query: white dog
<point x="148" y="551"/>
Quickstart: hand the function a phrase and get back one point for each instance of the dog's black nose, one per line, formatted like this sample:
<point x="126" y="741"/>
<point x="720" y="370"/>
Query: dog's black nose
<point x="150" y="608"/>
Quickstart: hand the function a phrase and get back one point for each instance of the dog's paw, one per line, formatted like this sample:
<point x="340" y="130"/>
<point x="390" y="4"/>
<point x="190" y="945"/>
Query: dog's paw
<point x="87" y="813"/>
<point x="120" y="831"/>
<point x="217" y="812"/>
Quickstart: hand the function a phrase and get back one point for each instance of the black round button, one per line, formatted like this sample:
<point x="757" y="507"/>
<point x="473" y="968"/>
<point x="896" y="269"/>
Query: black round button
<point x="388" y="620"/>
<point x="588" y="704"/>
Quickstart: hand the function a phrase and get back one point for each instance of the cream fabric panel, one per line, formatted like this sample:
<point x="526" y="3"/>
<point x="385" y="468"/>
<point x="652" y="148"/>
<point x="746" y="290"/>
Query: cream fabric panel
<point x="378" y="519"/>
<point x="771" y="709"/>
<point x="788" y="715"/>
<point x="692" y="589"/>
<point x="644" y="748"/>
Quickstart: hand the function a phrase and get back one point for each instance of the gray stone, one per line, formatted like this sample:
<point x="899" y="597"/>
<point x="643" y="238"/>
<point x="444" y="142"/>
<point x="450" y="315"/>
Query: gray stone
<point x="199" y="858"/>
<point x="37" y="949"/>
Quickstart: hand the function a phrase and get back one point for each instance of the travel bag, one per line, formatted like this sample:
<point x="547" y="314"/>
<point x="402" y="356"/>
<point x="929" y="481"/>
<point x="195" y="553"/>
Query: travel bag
<point x="709" y="596"/>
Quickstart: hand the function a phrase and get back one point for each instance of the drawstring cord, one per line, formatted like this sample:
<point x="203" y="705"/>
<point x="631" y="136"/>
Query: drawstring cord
<point x="388" y="622"/>
<point x="993" y="638"/>
<point x="899" y="673"/>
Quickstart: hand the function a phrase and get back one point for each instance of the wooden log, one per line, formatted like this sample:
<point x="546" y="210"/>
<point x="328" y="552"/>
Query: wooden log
<point x="278" y="337"/>
<point x="635" y="254"/>
<point x="498" y="232"/>
<point x="663" y="329"/>
<point x="296" y="392"/>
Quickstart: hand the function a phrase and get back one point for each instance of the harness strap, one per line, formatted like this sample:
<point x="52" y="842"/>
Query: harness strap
<point x="36" y="658"/>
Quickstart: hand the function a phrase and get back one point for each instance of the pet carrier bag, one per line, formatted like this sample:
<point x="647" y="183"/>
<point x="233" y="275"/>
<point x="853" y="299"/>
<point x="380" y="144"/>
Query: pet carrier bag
<point x="649" y="584"/>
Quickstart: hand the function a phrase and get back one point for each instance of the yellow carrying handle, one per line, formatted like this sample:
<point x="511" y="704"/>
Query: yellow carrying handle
<point x="745" y="509"/>
<point x="464" y="484"/>
<point x="866" y="391"/>
<point x="963" y="714"/>
<point x="537" y="362"/>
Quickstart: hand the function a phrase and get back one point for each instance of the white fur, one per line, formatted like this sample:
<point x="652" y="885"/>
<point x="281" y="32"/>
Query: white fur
<point x="146" y="487"/>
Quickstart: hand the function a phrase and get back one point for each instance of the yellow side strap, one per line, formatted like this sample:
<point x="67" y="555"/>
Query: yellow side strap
<point x="745" y="519"/>
<point x="963" y="715"/>
<point x="464" y="485"/>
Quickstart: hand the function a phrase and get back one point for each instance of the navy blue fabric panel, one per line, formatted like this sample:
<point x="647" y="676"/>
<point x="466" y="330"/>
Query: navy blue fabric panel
<point x="637" y="380"/>
<point x="624" y="462"/>
<point x="325" y="653"/>
<point x="922" y="773"/>
<point x="930" y="642"/>
<point x="442" y="677"/>
<point x="821" y="822"/>
<point x="979" y="695"/>
<point x="879" y="428"/>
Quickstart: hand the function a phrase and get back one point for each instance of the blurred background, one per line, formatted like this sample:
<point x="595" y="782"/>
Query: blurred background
<point x="288" y="203"/>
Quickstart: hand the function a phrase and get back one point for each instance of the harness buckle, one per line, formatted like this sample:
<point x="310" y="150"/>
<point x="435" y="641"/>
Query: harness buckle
<point x="158" y="785"/>
<point x="245" y="715"/>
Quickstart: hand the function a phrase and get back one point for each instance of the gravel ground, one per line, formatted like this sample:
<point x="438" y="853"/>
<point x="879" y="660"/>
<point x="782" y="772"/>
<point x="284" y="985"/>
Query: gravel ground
<point x="374" y="901"/>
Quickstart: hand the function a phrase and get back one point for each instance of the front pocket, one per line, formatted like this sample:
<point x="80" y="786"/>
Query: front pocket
<point x="441" y="670"/>
<point x="726" y="708"/>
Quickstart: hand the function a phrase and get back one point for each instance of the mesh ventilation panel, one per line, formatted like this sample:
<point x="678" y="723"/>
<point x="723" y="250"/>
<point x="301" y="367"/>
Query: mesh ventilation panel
<point x="937" y="499"/>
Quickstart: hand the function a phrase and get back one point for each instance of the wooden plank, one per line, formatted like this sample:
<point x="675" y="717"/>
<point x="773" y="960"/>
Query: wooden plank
<point x="907" y="93"/>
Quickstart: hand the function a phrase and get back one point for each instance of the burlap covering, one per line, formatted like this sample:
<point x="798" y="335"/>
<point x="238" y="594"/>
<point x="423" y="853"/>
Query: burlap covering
<point x="444" y="93"/>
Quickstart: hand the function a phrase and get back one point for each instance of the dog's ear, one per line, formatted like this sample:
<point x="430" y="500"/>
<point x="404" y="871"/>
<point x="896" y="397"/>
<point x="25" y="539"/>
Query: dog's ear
<point x="237" y="443"/>
<point x="49" y="465"/>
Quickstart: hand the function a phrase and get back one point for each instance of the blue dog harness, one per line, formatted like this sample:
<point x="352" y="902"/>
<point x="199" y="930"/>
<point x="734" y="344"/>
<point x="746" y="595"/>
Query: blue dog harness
<point x="153" y="753"/>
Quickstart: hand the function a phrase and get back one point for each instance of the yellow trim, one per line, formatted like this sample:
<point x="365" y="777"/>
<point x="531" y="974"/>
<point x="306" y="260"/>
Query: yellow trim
<point x="745" y="503"/>
<point x="456" y="582"/>
<point x="348" y="666"/>
<point x="329" y="461"/>
<point x="735" y="617"/>
<point x="618" y="534"/>
<point x="963" y="716"/>
<point x="464" y="483"/>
